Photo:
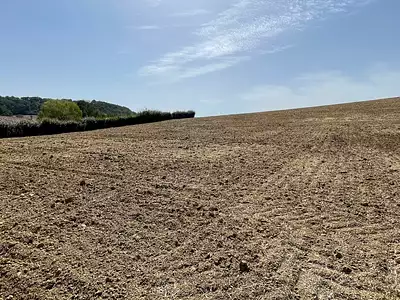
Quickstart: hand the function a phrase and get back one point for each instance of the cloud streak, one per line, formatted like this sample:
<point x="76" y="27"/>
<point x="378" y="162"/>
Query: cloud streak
<point x="147" y="27"/>
<point x="191" y="13"/>
<point x="238" y="30"/>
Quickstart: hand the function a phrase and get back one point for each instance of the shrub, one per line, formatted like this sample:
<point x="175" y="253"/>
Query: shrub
<point x="24" y="128"/>
<point x="149" y="116"/>
<point x="51" y="126"/>
<point x="60" y="110"/>
<point x="183" y="114"/>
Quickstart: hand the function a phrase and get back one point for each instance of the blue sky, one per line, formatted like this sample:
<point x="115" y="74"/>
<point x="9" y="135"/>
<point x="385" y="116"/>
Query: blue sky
<point x="216" y="57"/>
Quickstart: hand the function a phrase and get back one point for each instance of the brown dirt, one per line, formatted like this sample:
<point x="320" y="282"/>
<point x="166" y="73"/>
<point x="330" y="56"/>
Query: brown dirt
<point x="300" y="204"/>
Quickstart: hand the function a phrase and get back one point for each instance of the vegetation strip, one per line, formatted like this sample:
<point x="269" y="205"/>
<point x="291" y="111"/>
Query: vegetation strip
<point x="52" y="126"/>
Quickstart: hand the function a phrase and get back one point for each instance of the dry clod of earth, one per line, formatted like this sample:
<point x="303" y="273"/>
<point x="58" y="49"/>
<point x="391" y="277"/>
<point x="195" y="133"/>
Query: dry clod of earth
<point x="346" y="270"/>
<point x="338" y="255"/>
<point x="298" y="204"/>
<point x="244" y="267"/>
<point x="69" y="200"/>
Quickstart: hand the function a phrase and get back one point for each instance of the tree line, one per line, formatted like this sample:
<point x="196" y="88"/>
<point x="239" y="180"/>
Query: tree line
<point x="10" y="106"/>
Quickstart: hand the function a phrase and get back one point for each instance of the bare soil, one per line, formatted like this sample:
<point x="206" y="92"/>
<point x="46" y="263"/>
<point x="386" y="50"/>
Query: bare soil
<point x="298" y="204"/>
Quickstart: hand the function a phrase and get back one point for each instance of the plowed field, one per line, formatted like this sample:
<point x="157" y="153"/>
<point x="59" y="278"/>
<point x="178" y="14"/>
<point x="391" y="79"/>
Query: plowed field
<point x="298" y="204"/>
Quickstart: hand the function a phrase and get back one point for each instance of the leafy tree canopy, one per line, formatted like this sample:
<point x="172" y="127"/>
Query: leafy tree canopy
<point x="61" y="110"/>
<point x="88" y="109"/>
<point x="110" y="109"/>
<point x="4" y="111"/>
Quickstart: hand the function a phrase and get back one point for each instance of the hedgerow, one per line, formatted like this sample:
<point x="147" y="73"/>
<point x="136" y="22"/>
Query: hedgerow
<point x="53" y="126"/>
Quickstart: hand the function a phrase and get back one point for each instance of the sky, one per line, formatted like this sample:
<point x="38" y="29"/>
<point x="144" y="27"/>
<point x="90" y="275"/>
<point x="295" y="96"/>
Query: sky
<point x="213" y="56"/>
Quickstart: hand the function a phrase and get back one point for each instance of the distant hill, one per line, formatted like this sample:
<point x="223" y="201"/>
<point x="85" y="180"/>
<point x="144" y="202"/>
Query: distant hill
<point x="31" y="106"/>
<point x="111" y="109"/>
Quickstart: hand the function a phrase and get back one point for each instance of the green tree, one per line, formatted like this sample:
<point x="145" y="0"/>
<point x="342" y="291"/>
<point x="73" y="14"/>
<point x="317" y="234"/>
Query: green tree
<point x="62" y="110"/>
<point x="4" y="111"/>
<point x="88" y="109"/>
<point x="110" y="109"/>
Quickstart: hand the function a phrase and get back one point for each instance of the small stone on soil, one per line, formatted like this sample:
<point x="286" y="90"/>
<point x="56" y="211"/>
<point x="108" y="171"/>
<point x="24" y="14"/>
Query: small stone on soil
<point x="69" y="200"/>
<point x="346" y="270"/>
<point x="338" y="255"/>
<point x="244" y="267"/>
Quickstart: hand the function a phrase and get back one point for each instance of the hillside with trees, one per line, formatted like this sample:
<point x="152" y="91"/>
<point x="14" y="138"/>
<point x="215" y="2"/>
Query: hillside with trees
<point x="31" y="106"/>
<point x="20" y="106"/>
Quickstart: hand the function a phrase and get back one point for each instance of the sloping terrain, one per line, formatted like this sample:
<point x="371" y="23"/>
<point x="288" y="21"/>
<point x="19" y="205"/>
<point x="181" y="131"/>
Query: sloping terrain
<point x="298" y="204"/>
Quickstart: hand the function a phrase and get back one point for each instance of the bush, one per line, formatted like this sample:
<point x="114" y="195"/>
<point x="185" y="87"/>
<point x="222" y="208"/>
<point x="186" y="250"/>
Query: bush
<point x="60" y="110"/>
<point x="183" y="114"/>
<point x="149" y="116"/>
<point x="51" y="126"/>
<point x="24" y="128"/>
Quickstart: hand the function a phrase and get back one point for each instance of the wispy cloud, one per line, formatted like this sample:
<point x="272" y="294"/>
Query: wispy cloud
<point x="178" y="72"/>
<point x="191" y="13"/>
<point x="273" y="49"/>
<point x="147" y="27"/>
<point x="243" y="27"/>
<point x="189" y="72"/>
